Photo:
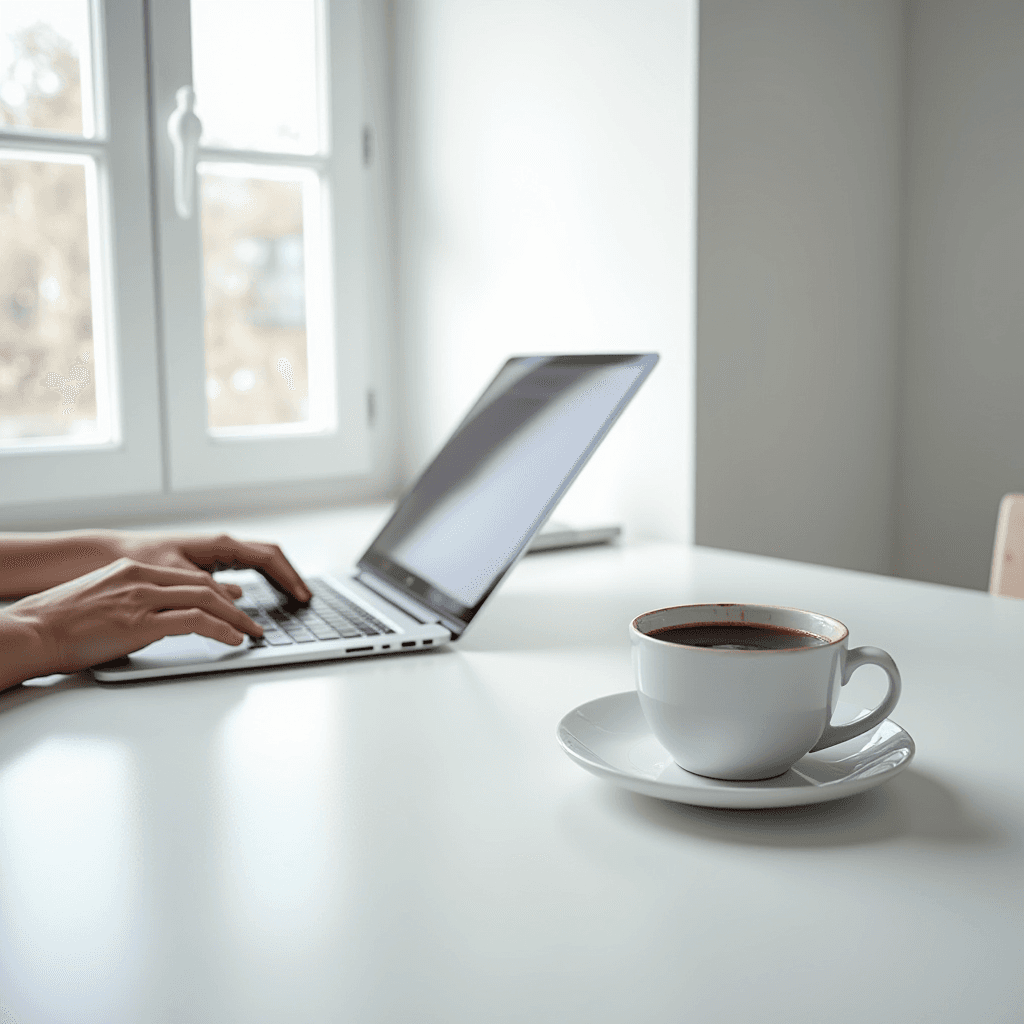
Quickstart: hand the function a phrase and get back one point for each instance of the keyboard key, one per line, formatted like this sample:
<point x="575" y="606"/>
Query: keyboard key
<point x="298" y="632"/>
<point x="323" y="631"/>
<point x="329" y="616"/>
<point x="276" y="638"/>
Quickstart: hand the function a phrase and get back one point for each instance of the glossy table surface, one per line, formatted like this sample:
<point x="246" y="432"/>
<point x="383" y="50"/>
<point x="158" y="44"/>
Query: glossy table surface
<point x="402" y="839"/>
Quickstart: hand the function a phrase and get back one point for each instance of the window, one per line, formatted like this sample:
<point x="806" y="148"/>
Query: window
<point x="181" y="285"/>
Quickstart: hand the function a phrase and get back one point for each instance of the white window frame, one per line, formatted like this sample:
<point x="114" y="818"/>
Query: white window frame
<point x="154" y="292"/>
<point x="123" y="284"/>
<point x="197" y="458"/>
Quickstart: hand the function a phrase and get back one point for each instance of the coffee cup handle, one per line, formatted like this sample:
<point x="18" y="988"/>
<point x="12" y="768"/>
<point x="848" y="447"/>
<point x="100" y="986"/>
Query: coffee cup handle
<point x="834" y="734"/>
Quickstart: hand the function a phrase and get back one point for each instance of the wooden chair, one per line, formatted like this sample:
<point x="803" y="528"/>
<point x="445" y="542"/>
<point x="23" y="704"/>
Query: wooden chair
<point x="1007" y="576"/>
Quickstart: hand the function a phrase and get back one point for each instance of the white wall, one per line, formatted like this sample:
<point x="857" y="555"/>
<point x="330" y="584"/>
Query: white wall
<point x="545" y="191"/>
<point x="962" y="401"/>
<point x="798" y="280"/>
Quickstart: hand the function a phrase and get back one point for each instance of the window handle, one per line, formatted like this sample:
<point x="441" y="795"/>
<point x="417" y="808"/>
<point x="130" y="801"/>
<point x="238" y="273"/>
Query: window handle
<point x="184" y="129"/>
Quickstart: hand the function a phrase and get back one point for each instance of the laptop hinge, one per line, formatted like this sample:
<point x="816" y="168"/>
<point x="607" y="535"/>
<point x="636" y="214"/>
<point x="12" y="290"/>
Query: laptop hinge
<point x="420" y="612"/>
<point x="409" y="605"/>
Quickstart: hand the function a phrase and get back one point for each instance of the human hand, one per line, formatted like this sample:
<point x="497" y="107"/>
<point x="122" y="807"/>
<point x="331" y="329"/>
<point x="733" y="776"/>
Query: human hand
<point x="113" y="611"/>
<point x="213" y="554"/>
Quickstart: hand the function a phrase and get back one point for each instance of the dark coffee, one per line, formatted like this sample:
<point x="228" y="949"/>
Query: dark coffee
<point x="738" y="636"/>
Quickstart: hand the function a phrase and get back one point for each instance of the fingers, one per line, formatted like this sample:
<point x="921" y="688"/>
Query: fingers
<point x="206" y="600"/>
<point x="169" y="576"/>
<point x="178" y="622"/>
<point x="226" y="552"/>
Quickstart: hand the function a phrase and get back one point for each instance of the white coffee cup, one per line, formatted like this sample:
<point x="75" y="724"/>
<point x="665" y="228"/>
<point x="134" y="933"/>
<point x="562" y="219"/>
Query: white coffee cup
<point x="749" y="714"/>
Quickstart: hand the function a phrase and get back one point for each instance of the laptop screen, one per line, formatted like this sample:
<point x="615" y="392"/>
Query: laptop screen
<point x="473" y="510"/>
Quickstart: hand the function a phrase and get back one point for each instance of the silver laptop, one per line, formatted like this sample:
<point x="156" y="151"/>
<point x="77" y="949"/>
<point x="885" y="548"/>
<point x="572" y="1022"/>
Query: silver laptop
<point x="453" y="537"/>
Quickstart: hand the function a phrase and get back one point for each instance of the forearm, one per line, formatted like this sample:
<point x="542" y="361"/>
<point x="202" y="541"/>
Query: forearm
<point x="31" y="562"/>
<point x="22" y="655"/>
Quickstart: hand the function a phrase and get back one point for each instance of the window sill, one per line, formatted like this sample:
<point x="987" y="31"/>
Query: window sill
<point x="153" y="511"/>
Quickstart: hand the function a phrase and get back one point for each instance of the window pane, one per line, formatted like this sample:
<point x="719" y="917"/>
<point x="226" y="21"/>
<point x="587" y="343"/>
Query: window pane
<point x="45" y="81"/>
<point x="48" y="359"/>
<point x="260" y="92"/>
<point x="254" y="252"/>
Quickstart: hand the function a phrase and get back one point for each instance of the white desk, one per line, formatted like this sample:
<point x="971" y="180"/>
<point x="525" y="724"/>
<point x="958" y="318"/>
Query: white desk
<point x="401" y="839"/>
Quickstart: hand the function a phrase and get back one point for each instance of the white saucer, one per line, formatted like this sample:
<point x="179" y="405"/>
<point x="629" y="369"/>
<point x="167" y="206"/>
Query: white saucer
<point x="610" y="737"/>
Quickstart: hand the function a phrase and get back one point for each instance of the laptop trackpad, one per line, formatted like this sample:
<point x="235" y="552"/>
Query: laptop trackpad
<point x="181" y="650"/>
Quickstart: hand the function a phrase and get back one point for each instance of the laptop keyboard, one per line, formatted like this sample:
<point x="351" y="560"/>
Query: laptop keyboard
<point x="329" y="616"/>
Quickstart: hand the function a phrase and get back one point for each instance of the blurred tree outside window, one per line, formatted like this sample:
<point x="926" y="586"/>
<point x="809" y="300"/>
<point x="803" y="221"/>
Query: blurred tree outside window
<point x="41" y="49"/>
<point x="255" y="322"/>
<point x="253" y="215"/>
<point x="47" y="385"/>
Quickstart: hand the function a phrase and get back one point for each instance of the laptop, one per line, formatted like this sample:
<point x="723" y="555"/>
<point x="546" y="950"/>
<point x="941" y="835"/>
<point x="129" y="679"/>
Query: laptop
<point x="453" y="537"/>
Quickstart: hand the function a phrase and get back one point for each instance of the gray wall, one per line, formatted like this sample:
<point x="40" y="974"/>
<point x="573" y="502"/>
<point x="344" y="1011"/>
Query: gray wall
<point x="798" y="245"/>
<point x="860" y="294"/>
<point x="962" y="393"/>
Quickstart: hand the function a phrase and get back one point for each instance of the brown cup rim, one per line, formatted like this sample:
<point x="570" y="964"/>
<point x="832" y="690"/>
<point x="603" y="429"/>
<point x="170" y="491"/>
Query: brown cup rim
<point x="745" y="604"/>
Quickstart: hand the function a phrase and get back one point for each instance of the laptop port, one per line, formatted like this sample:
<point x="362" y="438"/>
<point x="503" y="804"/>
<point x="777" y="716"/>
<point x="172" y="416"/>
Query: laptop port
<point x="408" y="643"/>
<point x="427" y="643"/>
<point x="356" y="650"/>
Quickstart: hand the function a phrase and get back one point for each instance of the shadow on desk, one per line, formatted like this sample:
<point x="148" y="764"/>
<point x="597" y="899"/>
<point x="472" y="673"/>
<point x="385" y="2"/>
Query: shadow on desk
<point x="915" y="806"/>
<point x="44" y="686"/>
